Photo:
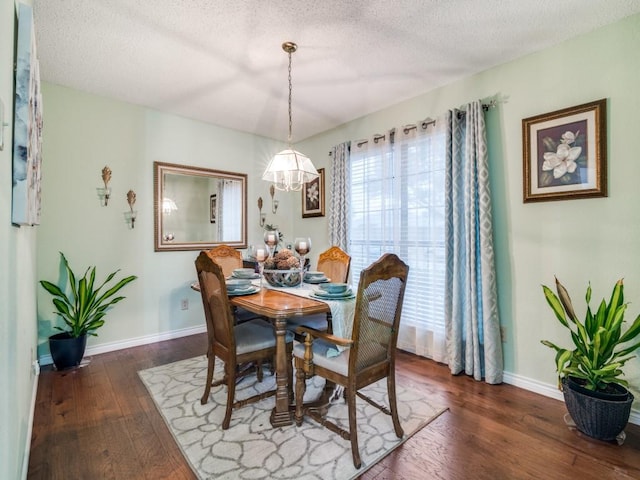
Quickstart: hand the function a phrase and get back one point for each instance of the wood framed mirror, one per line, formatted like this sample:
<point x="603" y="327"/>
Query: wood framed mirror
<point x="198" y="208"/>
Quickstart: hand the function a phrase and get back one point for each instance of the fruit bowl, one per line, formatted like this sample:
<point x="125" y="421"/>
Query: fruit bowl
<point x="282" y="278"/>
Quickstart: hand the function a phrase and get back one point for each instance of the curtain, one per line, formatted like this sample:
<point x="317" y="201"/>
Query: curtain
<point x="397" y="205"/>
<point x="339" y="191"/>
<point x="231" y="199"/>
<point x="471" y="308"/>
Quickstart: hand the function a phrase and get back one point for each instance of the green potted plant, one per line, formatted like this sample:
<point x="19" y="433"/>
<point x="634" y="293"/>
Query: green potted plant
<point x="82" y="311"/>
<point x="589" y="374"/>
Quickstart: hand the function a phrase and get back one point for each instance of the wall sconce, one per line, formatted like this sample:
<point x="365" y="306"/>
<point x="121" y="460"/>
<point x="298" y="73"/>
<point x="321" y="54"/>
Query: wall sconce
<point x="131" y="214"/>
<point x="263" y="216"/>
<point x="104" y="193"/>
<point x="274" y="203"/>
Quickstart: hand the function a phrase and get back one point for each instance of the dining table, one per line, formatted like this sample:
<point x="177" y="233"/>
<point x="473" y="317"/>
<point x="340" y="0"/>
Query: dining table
<point x="278" y="304"/>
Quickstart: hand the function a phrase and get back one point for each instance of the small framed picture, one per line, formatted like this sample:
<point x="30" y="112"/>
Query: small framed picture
<point x="214" y="207"/>
<point x="313" y="197"/>
<point x="565" y="153"/>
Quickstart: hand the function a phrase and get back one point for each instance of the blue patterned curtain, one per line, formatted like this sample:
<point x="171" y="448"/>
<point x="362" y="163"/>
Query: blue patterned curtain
<point x="339" y="203"/>
<point x="471" y="305"/>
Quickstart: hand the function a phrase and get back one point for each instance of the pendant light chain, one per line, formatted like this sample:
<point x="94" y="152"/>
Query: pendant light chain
<point x="290" y="90"/>
<point x="289" y="169"/>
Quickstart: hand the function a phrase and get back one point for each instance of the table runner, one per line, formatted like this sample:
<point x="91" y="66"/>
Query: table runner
<point x="342" y="311"/>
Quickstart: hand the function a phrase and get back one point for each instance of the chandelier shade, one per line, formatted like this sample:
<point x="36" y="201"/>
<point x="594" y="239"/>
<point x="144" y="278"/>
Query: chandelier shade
<point x="289" y="169"/>
<point x="168" y="206"/>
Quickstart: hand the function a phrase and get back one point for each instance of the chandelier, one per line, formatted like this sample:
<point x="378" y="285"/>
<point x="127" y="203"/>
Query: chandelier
<point x="289" y="169"/>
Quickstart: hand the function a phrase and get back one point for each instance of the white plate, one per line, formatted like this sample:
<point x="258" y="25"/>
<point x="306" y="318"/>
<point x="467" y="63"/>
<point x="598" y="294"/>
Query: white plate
<point x="254" y="276"/>
<point x="317" y="280"/>
<point x="341" y="296"/>
<point x="250" y="291"/>
<point x="244" y="288"/>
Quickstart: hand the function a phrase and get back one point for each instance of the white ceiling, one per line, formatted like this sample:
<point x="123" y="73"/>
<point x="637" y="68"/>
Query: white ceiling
<point x="221" y="61"/>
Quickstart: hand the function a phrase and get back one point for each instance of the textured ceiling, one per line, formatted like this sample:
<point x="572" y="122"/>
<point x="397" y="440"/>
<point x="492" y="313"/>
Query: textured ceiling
<point x="221" y="61"/>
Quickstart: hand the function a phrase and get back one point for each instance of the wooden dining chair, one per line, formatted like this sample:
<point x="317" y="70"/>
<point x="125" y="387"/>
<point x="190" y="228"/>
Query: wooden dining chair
<point x="251" y="342"/>
<point x="369" y="354"/>
<point x="229" y="259"/>
<point x="335" y="264"/>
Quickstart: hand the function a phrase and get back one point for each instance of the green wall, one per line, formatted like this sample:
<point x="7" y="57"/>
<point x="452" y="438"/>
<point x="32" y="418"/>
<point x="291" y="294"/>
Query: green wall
<point x="593" y="240"/>
<point x="82" y="134"/>
<point x="17" y="287"/>
<point x="581" y="240"/>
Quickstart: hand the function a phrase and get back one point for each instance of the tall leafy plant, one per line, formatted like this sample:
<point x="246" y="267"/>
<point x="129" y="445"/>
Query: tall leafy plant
<point x="599" y="354"/>
<point x="84" y="308"/>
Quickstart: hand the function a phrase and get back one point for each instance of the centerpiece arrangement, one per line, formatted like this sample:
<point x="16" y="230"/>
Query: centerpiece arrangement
<point x="282" y="269"/>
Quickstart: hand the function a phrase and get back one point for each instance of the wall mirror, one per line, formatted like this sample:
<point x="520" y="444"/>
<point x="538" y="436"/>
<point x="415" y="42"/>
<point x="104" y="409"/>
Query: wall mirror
<point x="198" y="208"/>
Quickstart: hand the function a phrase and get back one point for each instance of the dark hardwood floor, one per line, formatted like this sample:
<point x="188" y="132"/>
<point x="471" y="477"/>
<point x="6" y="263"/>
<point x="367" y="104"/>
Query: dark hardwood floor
<point x="98" y="422"/>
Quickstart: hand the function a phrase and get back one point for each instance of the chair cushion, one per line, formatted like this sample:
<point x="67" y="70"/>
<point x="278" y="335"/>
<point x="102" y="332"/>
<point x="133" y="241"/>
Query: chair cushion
<point x="243" y="315"/>
<point x="317" y="322"/>
<point x="256" y="335"/>
<point x="326" y="355"/>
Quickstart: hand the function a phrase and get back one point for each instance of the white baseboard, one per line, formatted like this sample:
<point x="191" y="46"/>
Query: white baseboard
<point x="134" y="342"/>
<point x="32" y="412"/>
<point x="550" y="391"/>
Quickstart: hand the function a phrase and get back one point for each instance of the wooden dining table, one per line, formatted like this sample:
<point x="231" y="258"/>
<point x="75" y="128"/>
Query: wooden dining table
<point x="280" y="306"/>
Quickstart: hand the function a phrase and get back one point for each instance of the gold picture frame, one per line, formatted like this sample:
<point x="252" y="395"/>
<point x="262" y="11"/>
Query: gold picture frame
<point x="565" y="153"/>
<point x="313" y="196"/>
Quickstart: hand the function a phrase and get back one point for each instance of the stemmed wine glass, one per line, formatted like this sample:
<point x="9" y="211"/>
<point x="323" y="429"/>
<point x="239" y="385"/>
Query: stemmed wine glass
<point x="271" y="238"/>
<point x="303" y="247"/>
<point x="260" y="253"/>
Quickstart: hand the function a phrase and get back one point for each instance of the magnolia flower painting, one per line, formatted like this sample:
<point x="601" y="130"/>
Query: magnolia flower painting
<point x="563" y="160"/>
<point x="565" y="153"/>
<point x="562" y="156"/>
<point x="313" y="196"/>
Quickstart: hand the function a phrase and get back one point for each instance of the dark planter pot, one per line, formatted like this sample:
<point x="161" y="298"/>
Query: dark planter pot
<point x="67" y="351"/>
<point x="596" y="417"/>
<point x="619" y="393"/>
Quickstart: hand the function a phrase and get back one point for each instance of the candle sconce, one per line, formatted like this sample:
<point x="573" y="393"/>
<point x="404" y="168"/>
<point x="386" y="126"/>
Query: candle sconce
<point x="274" y="203"/>
<point x="105" y="192"/>
<point x="263" y="216"/>
<point x="131" y="214"/>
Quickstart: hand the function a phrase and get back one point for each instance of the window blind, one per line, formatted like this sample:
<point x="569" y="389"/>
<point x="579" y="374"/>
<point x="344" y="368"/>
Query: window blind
<point x="397" y="205"/>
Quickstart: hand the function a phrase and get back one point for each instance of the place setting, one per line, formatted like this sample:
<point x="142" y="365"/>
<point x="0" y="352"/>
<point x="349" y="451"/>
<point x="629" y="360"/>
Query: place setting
<point x="315" y="277"/>
<point x="244" y="274"/>
<point x="240" y="286"/>
<point x="333" y="291"/>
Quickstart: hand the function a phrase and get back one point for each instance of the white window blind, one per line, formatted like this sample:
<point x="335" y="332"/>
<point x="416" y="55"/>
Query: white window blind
<point x="397" y="205"/>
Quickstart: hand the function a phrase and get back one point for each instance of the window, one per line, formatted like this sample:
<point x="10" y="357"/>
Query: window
<point x="397" y="205"/>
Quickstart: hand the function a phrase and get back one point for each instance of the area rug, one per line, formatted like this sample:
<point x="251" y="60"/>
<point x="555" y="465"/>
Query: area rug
<point x="252" y="449"/>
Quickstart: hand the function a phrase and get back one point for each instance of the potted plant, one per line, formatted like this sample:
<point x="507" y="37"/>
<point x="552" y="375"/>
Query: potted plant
<point x="589" y="374"/>
<point x="82" y="312"/>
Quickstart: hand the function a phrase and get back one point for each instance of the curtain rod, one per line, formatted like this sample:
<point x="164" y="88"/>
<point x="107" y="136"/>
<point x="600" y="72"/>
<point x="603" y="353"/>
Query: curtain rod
<point x="424" y="124"/>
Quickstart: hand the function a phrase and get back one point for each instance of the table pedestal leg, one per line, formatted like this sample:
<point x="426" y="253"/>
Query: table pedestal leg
<point x="281" y="415"/>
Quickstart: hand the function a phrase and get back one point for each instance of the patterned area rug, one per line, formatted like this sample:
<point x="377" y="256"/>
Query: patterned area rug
<point x="252" y="449"/>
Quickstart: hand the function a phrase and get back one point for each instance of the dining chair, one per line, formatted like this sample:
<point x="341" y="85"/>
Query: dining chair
<point x="368" y="356"/>
<point x="251" y="342"/>
<point x="335" y="264"/>
<point x="229" y="259"/>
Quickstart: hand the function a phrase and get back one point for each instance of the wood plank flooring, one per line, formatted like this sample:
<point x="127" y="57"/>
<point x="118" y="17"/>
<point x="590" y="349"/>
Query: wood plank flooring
<point x="99" y="422"/>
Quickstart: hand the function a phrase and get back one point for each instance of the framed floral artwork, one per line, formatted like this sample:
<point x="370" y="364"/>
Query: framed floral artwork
<point x="565" y="153"/>
<point x="313" y="197"/>
<point x="213" y="208"/>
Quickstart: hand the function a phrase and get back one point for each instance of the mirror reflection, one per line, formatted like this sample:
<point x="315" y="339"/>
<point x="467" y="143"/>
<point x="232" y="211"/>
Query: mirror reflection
<point x="198" y="208"/>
